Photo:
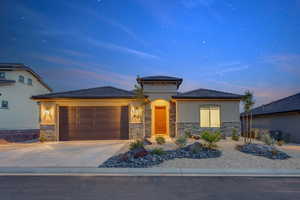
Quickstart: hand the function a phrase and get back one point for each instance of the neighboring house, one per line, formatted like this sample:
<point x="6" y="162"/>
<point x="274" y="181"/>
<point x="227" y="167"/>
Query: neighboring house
<point x="18" y="112"/>
<point x="281" y="115"/>
<point x="112" y="113"/>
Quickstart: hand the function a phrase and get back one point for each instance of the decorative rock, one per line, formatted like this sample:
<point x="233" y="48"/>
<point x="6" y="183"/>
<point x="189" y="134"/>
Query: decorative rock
<point x="140" y="158"/>
<point x="263" y="150"/>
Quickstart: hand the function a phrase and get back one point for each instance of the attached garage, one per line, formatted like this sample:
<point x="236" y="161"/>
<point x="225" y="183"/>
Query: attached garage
<point x="93" y="123"/>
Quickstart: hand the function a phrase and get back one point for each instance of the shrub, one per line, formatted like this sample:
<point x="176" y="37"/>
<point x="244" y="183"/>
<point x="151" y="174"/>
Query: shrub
<point x="267" y="139"/>
<point x="188" y="134"/>
<point x="235" y="135"/>
<point x="211" y="138"/>
<point x="181" y="141"/>
<point x="136" y="144"/>
<point x="280" y="142"/>
<point x="158" y="151"/>
<point x="160" y="140"/>
<point x="42" y="138"/>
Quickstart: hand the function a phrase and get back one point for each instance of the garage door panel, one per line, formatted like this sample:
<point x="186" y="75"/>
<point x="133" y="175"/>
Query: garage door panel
<point x="91" y="123"/>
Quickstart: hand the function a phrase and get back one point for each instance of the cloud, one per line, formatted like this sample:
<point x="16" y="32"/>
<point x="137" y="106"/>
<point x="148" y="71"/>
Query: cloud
<point x="121" y="49"/>
<point x="286" y="62"/>
<point x="83" y="72"/>
<point x="232" y="69"/>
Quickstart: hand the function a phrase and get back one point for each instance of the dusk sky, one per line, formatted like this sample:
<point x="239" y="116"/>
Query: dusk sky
<point x="227" y="45"/>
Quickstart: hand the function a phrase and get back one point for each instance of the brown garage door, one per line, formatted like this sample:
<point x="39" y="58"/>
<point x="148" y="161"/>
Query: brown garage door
<point x="93" y="123"/>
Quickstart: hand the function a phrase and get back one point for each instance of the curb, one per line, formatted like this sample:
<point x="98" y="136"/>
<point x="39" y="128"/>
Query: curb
<point x="15" y="171"/>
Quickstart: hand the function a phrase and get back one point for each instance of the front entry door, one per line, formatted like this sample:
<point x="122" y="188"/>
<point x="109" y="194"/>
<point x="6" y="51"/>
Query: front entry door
<point x="160" y="120"/>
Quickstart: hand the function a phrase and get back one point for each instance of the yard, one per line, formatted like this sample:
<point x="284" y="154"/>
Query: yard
<point x="231" y="158"/>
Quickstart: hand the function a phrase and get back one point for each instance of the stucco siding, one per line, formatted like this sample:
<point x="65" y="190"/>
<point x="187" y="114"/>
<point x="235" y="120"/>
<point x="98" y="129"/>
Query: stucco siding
<point x="189" y="111"/>
<point x="160" y="91"/>
<point x="22" y="112"/>
<point x="287" y="123"/>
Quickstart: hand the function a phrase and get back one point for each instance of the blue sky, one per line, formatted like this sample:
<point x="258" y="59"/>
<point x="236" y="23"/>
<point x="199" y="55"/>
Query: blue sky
<point x="227" y="45"/>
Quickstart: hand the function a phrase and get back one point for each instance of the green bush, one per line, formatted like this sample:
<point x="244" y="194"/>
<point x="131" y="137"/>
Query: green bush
<point x="211" y="138"/>
<point x="235" y="135"/>
<point x="267" y="139"/>
<point x="188" y="134"/>
<point x="136" y="144"/>
<point x="181" y="141"/>
<point x="158" y="151"/>
<point x="160" y="140"/>
<point x="42" y="138"/>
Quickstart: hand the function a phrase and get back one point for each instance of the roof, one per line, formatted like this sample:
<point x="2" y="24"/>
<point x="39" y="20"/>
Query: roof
<point x="287" y="104"/>
<point x="106" y="92"/>
<point x="5" y="81"/>
<point x="20" y="66"/>
<point x="144" y="79"/>
<point x="206" y="94"/>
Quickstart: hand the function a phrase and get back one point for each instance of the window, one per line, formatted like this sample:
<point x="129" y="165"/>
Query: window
<point x="210" y="117"/>
<point x="2" y="75"/>
<point x="29" y="81"/>
<point x="4" y="104"/>
<point x="21" y="79"/>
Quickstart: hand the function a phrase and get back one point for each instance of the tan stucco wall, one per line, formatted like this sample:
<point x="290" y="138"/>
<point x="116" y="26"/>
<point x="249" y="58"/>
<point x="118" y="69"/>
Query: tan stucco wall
<point x="287" y="123"/>
<point x="22" y="112"/>
<point x="160" y="91"/>
<point x="189" y="110"/>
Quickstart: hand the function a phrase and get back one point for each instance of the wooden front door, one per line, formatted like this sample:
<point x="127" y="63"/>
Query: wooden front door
<point x="160" y="120"/>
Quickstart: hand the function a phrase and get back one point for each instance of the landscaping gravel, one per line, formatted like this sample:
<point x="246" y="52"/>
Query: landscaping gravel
<point x="141" y="158"/>
<point x="263" y="150"/>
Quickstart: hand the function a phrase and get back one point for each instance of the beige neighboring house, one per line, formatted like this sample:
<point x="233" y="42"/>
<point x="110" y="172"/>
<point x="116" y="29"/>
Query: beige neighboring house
<point x="113" y="113"/>
<point x="18" y="112"/>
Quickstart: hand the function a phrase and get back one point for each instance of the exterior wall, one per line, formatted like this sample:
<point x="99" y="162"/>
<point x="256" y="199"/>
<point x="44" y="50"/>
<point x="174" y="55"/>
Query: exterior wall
<point x="188" y="116"/>
<point x="287" y="123"/>
<point x="50" y="130"/>
<point x="22" y="112"/>
<point x="160" y="91"/>
<point x="148" y="120"/>
<point x="172" y="119"/>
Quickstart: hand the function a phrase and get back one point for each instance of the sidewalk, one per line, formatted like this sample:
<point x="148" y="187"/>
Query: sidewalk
<point x="15" y="171"/>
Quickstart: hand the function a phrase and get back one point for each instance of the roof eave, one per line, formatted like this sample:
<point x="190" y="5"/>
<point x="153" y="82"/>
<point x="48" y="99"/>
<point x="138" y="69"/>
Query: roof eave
<point x="232" y="98"/>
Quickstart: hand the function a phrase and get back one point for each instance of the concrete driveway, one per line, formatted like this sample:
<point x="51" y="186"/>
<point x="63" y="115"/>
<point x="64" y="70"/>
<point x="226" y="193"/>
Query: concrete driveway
<point x="59" y="154"/>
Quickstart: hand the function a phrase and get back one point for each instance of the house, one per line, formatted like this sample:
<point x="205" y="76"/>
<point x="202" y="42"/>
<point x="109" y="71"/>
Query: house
<point x="18" y="112"/>
<point x="112" y="113"/>
<point x="281" y="115"/>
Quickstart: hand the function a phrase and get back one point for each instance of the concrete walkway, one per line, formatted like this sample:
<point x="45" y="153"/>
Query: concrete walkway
<point x="59" y="154"/>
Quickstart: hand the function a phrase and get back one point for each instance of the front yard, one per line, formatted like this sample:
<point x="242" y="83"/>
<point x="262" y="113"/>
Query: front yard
<point x="234" y="159"/>
<point x="230" y="157"/>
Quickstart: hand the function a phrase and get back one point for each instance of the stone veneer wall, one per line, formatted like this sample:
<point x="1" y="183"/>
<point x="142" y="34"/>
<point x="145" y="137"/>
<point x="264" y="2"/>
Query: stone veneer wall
<point x="49" y="132"/>
<point x="195" y="128"/>
<point x="136" y="130"/>
<point x="148" y="121"/>
<point x="172" y="119"/>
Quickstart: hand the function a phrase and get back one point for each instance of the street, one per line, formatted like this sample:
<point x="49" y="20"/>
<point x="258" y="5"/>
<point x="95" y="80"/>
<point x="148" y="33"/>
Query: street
<point x="147" y="188"/>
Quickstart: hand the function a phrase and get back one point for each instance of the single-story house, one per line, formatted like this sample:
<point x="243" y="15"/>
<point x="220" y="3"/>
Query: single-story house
<point x="112" y="113"/>
<point x="18" y="112"/>
<point x="281" y="115"/>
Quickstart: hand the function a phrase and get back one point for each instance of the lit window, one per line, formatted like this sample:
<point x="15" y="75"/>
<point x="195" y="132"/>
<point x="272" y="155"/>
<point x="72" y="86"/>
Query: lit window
<point x="2" y="75"/>
<point x="210" y="117"/>
<point x="4" y="104"/>
<point x="21" y="79"/>
<point x="29" y="81"/>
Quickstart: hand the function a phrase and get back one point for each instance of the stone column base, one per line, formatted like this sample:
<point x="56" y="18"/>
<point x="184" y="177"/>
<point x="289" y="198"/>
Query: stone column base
<point x="48" y="133"/>
<point x="136" y="131"/>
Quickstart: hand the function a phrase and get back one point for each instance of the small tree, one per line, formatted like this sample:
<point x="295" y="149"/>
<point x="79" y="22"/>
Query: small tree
<point x="248" y="103"/>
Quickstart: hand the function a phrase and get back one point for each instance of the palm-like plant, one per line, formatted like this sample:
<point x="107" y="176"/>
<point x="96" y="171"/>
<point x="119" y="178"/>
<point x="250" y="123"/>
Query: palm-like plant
<point x="248" y="102"/>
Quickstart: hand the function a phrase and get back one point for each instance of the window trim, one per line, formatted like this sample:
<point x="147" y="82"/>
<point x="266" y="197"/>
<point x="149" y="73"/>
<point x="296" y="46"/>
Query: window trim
<point x="209" y="108"/>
